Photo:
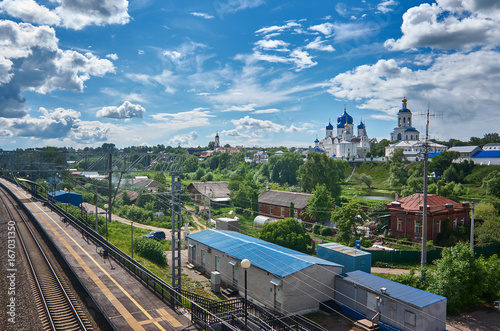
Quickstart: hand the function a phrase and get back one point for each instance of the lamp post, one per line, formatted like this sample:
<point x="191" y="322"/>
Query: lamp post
<point x="66" y="193"/>
<point x="106" y="218"/>
<point x="245" y="264"/>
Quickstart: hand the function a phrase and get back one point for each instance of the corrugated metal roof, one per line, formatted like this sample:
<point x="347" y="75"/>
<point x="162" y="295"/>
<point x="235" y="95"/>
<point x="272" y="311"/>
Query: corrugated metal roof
<point x="399" y="291"/>
<point x="463" y="149"/>
<point x="413" y="202"/>
<point x="283" y="198"/>
<point x="277" y="260"/>
<point x="219" y="189"/>
<point x="344" y="249"/>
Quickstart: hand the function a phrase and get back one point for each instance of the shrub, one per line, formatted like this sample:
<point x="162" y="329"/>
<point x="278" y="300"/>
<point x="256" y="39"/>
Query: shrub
<point x="150" y="249"/>
<point x="326" y="231"/>
<point x="317" y="228"/>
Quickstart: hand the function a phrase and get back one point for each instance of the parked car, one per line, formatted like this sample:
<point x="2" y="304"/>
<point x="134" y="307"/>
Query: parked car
<point x="156" y="235"/>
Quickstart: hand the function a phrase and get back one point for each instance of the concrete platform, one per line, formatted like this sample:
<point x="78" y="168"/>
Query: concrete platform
<point x="126" y="302"/>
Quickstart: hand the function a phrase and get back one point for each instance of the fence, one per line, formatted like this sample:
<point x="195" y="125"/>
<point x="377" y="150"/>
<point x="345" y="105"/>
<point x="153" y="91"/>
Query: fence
<point x="399" y="256"/>
<point x="160" y="288"/>
<point x="206" y="313"/>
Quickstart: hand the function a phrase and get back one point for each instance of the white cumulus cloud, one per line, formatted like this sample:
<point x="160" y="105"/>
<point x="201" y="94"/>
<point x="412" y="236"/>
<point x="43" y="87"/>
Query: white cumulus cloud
<point x="457" y="24"/>
<point x="31" y="60"/>
<point x="126" y="110"/>
<point x="187" y="139"/>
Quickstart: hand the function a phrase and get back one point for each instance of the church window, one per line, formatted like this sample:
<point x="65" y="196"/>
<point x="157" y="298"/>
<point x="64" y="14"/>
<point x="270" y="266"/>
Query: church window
<point x="411" y="137"/>
<point x="404" y="120"/>
<point x="399" y="122"/>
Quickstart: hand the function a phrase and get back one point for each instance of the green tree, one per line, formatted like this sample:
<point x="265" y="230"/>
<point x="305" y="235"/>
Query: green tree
<point x="458" y="277"/>
<point x="126" y="198"/>
<point x="319" y="206"/>
<point x="284" y="168"/>
<point x="191" y="164"/>
<point x="451" y="174"/>
<point x="347" y="218"/>
<point x="492" y="183"/>
<point x="320" y="169"/>
<point x="442" y="162"/>
<point x="397" y="173"/>
<point x="489" y="230"/>
<point x="287" y="233"/>
<point x="366" y="179"/>
<point x="378" y="148"/>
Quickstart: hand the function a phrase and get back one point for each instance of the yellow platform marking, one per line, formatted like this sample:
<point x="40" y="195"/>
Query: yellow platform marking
<point x="165" y="316"/>
<point x="118" y="305"/>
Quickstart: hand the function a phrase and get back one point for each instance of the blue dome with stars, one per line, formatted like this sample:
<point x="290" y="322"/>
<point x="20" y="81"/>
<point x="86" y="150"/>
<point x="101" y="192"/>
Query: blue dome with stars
<point x="345" y="118"/>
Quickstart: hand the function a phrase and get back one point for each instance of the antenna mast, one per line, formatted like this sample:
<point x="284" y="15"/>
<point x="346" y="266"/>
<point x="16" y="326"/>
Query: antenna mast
<point x="424" y="218"/>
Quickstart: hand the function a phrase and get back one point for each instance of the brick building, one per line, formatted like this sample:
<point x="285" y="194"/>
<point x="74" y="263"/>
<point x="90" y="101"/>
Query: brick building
<point x="276" y="204"/>
<point x="406" y="216"/>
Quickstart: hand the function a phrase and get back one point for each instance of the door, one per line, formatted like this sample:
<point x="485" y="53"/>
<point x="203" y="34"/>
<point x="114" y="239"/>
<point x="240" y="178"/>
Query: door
<point x="192" y="254"/>
<point x="203" y="259"/>
<point x="371" y="305"/>
<point x="235" y="276"/>
<point x="277" y="297"/>
<point x="217" y="263"/>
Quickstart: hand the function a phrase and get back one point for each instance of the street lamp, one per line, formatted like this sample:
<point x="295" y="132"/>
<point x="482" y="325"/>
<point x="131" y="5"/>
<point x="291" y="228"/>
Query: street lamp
<point x="106" y="219"/>
<point x="66" y="193"/>
<point x="245" y="264"/>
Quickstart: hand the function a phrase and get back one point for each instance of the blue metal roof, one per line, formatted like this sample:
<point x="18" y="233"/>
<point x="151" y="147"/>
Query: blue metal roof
<point x="62" y="193"/>
<point x="278" y="260"/>
<point x="399" y="291"/>
<point x="431" y="155"/>
<point x="329" y="126"/>
<point x="487" y="154"/>
<point x="411" y="130"/>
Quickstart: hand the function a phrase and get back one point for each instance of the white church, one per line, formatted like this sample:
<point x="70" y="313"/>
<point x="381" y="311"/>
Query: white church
<point x="407" y="138"/>
<point x="345" y="144"/>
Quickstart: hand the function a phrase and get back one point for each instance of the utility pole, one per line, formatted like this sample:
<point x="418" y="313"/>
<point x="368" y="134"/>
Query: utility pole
<point x="424" y="218"/>
<point x="472" y="229"/>
<point x="110" y="194"/>
<point x="96" y="219"/>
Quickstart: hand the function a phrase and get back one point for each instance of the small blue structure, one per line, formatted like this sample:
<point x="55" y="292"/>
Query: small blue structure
<point x="350" y="258"/>
<point x="66" y="197"/>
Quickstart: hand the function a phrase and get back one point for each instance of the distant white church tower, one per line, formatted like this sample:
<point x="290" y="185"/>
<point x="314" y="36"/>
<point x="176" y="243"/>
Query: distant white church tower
<point x="405" y="130"/>
<point x="217" y="142"/>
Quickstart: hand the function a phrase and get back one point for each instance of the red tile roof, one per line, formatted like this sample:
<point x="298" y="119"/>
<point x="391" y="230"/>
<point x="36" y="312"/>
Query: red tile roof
<point x="435" y="202"/>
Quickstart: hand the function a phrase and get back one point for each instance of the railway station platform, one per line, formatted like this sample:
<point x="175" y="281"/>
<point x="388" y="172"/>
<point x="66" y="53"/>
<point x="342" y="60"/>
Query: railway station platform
<point x="123" y="299"/>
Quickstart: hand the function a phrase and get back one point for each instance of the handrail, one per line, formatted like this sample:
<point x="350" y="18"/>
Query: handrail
<point x="160" y="288"/>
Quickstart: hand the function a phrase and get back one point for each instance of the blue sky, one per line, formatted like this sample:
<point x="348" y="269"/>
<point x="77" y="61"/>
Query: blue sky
<point x="262" y="73"/>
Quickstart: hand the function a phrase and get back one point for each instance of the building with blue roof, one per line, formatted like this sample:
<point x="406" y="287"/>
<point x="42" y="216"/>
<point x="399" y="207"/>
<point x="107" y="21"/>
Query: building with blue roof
<point x="66" y="197"/>
<point x="278" y="276"/>
<point x="487" y="157"/>
<point x="345" y="144"/>
<point x="362" y="295"/>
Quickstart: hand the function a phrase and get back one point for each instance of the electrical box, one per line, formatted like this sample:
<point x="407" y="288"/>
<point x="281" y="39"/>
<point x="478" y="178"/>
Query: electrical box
<point x="215" y="281"/>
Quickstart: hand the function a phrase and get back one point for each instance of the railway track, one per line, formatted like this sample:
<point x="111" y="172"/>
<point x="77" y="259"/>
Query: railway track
<point x="57" y="305"/>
